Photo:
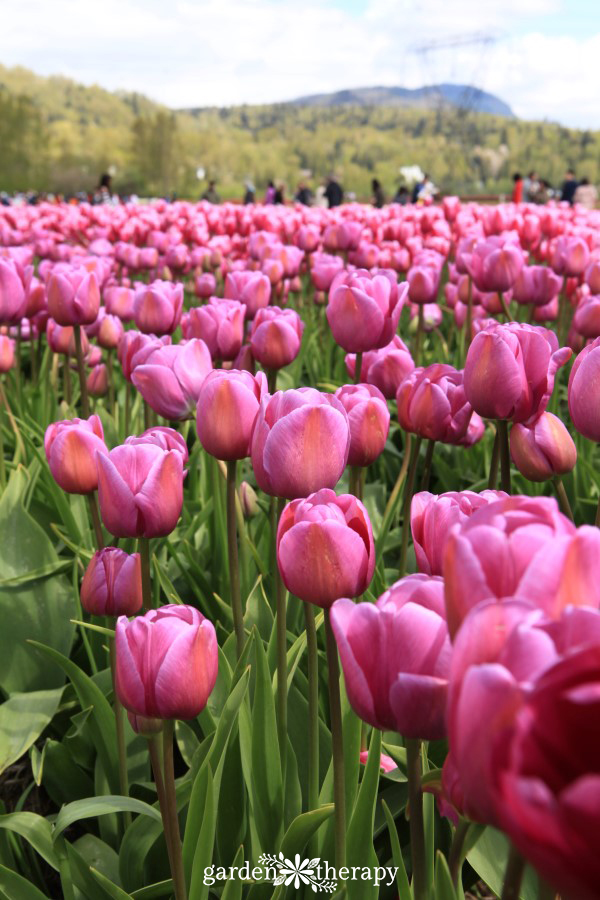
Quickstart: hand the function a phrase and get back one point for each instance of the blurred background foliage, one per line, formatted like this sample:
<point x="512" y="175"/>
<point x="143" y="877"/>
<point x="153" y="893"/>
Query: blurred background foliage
<point x="57" y="135"/>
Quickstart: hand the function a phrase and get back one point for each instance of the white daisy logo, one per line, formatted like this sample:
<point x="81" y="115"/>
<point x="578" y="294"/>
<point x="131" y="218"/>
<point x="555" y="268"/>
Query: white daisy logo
<point x="298" y="872"/>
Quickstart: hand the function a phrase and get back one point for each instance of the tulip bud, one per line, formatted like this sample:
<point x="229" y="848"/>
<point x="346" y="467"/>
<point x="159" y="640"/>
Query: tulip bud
<point x="228" y="403"/>
<point x="275" y="336"/>
<point x="112" y="584"/>
<point x="248" y="500"/>
<point x="369" y="420"/>
<point x="584" y="401"/>
<point x="7" y="353"/>
<point x="543" y="449"/>
<point x="71" y="448"/>
<point x="166" y="662"/>
<point x="97" y="381"/>
<point x="73" y="297"/>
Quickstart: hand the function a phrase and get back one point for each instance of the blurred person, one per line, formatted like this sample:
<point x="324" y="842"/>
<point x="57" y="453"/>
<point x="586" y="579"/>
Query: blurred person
<point x="428" y="189"/>
<point x="569" y="186"/>
<point x="320" y="198"/>
<point x="334" y="192"/>
<point x="402" y="195"/>
<point x="531" y="185"/>
<point x="586" y="194"/>
<point x="303" y="195"/>
<point x="270" y="193"/>
<point x="279" y="198"/>
<point x="103" y="193"/>
<point x="544" y="192"/>
<point x="249" y="193"/>
<point x="517" y="191"/>
<point x="378" y="199"/>
<point x="210" y="194"/>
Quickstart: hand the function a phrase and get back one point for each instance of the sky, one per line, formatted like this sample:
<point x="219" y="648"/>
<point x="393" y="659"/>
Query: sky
<point x="541" y="56"/>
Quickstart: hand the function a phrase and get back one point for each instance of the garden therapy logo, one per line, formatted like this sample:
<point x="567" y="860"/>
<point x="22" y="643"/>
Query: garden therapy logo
<point x="314" y="873"/>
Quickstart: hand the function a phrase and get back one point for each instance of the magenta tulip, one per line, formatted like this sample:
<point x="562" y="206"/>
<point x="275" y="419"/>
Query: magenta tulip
<point x="521" y="546"/>
<point x="220" y="324"/>
<point x="13" y="299"/>
<point x="97" y="381"/>
<point x="112" y="584"/>
<point x="369" y="420"/>
<point x="536" y="285"/>
<point x="7" y="353"/>
<point x="171" y="377"/>
<point x="432" y="403"/>
<point x="167" y="662"/>
<point x="325" y="547"/>
<point x="402" y="691"/>
<point x="584" y="405"/>
<point x="164" y="437"/>
<point x="253" y="289"/>
<point x="571" y="256"/>
<point x="275" y="337"/>
<point x="157" y="307"/>
<point x="494" y="264"/>
<point x="385" y="368"/>
<point x="73" y="296"/>
<point x="140" y="488"/>
<point x="300" y="442"/>
<point x="434" y="516"/>
<point x="510" y="369"/>
<point x="543" y="449"/>
<point x="364" y="310"/>
<point x="228" y="404"/>
<point x="71" y="447"/>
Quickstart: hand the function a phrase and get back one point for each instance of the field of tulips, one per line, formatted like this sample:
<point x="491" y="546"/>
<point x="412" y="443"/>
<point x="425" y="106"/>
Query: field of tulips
<point x="300" y="580"/>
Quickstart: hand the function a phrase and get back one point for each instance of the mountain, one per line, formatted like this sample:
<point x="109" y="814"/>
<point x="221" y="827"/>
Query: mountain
<point x="433" y="96"/>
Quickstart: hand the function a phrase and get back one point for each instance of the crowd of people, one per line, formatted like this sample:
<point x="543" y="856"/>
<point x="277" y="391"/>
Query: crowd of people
<point x="533" y="189"/>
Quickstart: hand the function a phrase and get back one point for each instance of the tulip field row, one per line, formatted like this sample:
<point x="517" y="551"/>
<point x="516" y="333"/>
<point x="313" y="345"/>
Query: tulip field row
<point x="300" y="557"/>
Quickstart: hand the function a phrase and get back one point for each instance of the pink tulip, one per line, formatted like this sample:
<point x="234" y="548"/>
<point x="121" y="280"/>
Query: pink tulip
<point x="112" y="584"/>
<point x="536" y="285"/>
<point x="7" y="353"/>
<point x="584" y="406"/>
<point x="251" y="288"/>
<point x="170" y="378"/>
<point x="543" y="449"/>
<point x="61" y="339"/>
<point x="363" y="311"/>
<point x="308" y="238"/>
<point x="164" y="437"/>
<point x="586" y="320"/>
<point x="325" y="547"/>
<point x="300" y="442"/>
<point x="13" y="299"/>
<point x="275" y="337"/>
<point x="524" y="547"/>
<point x="71" y="447"/>
<point x="73" y="296"/>
<point x="494" y="264"/>
<point x="97" y="381"/>
<point x="110" y="332"/>
<point x="434" y="516"/>
<point x="228" y="404"/>
<point x="323" y="269"/>
<point x="432" y="403"/>
<point x="342" y="236"/>
<point x="134" y="347"/>
<point x="140" y="488"/>
<point x="391" y="690"/>
<point x="369" y="420"/>
<point x="167" y="662"/>
<point x="220" y="324"/>
<point x="592" y="276"/>
<point x="205" y="285"/>
<point x="571" y="255"/>
<point x="157" y="307"/>
<point x="385" y="368"/>
<point x="510" y="369"/>
<point x="423" y="284"/>
<point x="119" y="301"/>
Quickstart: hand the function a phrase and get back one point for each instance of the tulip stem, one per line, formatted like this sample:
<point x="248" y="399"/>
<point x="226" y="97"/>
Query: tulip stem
<point x="272" y="380"/>
<point x="415" y="805"/>
<point x="156" y="762"/>
<point x="18" y="372"/>
<point x="232" y="553"/>
<point x="95" y="515"/>
<point x="67" y="380"/>
<point x="419" y="335"/>
<point x="127" y="408"/>
<point x="513" y="875"/>
<point x="2" y="463"/>
<point x="408" y="495"/>
<point x="505" y="308"/>
<point x="85" y="403"/>
<point x="390" y="508"/>
<point x="335" y="712"/>
<point x="356" y="483"/>
<point x="492" y="480"/>
<point x="111" y="388"/>
<point x="456" y="855"/>
<point x="563" y="500"/>
<point x="313" y="707"/>
<point x="358" y="367"/>
<point x="469" y="321"/>
<point x="427" y="467"/>
<point x="281" y="647"/>
<point x="119" y="724"/>
<point x="175" y="836"/>
<point x="504" y="455"/>
<point x="144" y="548"/>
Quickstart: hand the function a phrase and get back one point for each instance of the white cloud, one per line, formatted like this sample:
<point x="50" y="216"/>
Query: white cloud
<point x="205" y="52"/>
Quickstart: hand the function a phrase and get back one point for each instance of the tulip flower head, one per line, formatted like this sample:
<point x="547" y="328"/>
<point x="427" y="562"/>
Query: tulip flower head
<point x="112" y="584"/>
<point x="275" y="337"/>
<point x="543" y="449"/>
<point x="364" y="310"/>
<point x="432" y="403"/>
<point x="170" y="378"/>
<point x="228" y="404"/>
<point x="71" y="447"/>
<point x="166" y="662"/>
<point x="325" y="547"/>
<point x="369" y="420"/>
